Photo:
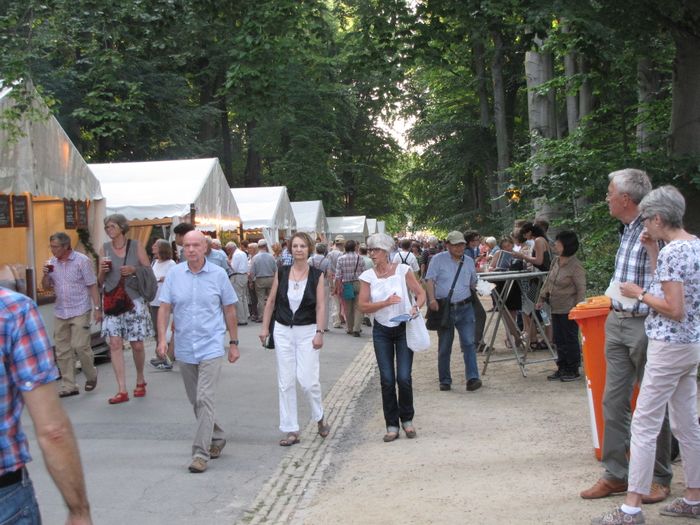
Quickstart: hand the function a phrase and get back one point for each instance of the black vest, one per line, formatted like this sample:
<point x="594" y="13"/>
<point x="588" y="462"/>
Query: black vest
<point x="306" y="313"/>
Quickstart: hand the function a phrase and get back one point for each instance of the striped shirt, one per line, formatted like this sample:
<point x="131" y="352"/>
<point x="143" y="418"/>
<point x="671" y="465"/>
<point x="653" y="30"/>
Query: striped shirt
<point x="26" y="362"/>
<point x="349" y="267"/>
<point x="70" y="280"/>
<point x="632" y="264"/>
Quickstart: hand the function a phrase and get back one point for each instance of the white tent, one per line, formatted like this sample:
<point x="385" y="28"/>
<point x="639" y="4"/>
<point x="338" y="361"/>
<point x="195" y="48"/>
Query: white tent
<point x="40" y="168"/>
<point x="266" y="209"/>
<point x="371" y="226"/>
<point x="311" y="218"/>
<point x="166" y="190"/>
<point x="354" y="228"/>
<point x="381" y="227"/>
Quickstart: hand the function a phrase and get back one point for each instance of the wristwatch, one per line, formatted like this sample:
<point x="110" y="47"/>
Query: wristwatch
<point x="233" y="342"/>
<point x="97" y="308"/>
<point x="640" y="297"/>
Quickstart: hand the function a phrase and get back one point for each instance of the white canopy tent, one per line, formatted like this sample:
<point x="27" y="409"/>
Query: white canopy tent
<point x="311" y="218"/>
<point x="165" y="192"/>
<point x="42" y="171"/>
<point x="381" y="227"/>
<point x="354" y="227"/>
<point x="371" y="226"/>
<point x="266" y="209"/>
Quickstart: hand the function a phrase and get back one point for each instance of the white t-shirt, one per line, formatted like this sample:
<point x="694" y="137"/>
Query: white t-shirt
<point x="296" y="294"/>
<point x="160" y="269"/>
<point x="410" y="259"/>
<point x="381" y="289"/>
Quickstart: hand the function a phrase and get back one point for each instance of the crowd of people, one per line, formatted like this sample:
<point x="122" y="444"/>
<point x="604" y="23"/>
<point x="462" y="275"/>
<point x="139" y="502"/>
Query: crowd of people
<point x="298" y="290"/>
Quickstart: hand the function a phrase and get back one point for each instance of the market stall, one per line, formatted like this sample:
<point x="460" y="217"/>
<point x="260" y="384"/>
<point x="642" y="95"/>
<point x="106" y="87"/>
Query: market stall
<point x="354" y="227"/>
<point x="265" y="213"/>
<point x="371" y="226"/>
<point x="311" y="218"/>
<point x="164" y="193"/>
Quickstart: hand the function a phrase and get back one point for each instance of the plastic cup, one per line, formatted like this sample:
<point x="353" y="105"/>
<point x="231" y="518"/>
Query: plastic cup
<point x="107" y="260"/>
<point x="49" y="266"/>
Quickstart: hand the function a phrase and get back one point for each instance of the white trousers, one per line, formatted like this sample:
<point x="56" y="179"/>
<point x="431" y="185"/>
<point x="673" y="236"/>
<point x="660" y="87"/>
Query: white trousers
<point x="670" y="376"/>
<point x="297" y="361"/>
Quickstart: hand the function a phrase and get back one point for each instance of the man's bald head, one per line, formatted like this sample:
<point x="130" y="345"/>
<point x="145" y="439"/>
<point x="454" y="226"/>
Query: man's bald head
<point x="194" y="246"/>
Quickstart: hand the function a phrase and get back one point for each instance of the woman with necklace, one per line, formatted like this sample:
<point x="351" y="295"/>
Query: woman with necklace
<point x="299" y="308"/>
<point x="385" y="292"/>
<point x="119" y="259"/>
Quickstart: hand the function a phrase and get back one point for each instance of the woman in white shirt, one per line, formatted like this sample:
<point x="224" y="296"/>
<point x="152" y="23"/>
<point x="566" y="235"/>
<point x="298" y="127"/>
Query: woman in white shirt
<point x="162" y="262"/>
<point x="384" y="292"/>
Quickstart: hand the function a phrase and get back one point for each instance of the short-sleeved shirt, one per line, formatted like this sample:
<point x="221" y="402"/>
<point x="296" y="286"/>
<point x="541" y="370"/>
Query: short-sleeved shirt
<point x="679" y="261"/>
<point x="197" y="301"/>
<point x="442" y="272"/>
<point x="333" y="257"/>
<point x="239" y="261"/>
<point x="219" y="258"/>
<point x="381" y="288"/>
<point x="406" y="258"/>
<point x="70" y="279"/>
<point x="263" y="265"/>
<point x="632" y="263"/>
<point x="349" y="267"/>
<point x="26" y="362"/>
<point x="320" y="262"/>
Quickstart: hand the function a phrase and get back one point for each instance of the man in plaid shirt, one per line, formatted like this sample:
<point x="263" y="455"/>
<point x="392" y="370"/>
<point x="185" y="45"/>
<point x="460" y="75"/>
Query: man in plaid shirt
<point x="347" y="272"/>
<point x="626" y="346"/>
<point x="27" y="371"/>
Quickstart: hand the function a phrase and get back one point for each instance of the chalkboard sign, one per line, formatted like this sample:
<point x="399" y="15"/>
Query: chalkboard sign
<point x="5" y="212"/>
<point x="81" y="213"/>
<point x="69" y="218"/>
<point x="20" y="211"/>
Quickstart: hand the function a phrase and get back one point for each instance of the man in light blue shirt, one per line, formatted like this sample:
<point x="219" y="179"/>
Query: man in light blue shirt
<point x="203" y="304"/>
<point x="439" y="279"/>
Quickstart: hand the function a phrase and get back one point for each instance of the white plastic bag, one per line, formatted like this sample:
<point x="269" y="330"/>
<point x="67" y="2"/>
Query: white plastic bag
<point x="417" y="335"/>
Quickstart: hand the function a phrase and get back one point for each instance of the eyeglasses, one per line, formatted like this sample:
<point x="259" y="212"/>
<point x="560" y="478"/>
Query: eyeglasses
<point x="372" y="250"/>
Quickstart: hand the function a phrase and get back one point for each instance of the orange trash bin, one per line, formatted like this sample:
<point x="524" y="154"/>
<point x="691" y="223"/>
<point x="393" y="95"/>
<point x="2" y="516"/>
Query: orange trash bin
<point x="590" y="317"/>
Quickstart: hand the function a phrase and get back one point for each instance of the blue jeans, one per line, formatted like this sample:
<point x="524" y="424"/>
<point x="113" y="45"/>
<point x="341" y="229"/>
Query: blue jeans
<point x="390" y="343"/>
<point x="18" y="504"/>
<point x="462" y="318"/>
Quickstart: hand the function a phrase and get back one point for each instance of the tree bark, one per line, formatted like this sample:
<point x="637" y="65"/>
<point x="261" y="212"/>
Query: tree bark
<point x="226" y="147"/>
<point x="585" y="93"/>
<point x="648" y="85"/>
<point x="499" y="182"/>
<point x="685" y="113"/>
<point x="478" y="65"/>
<point x="253" y="164"/>
<point x="572" y="103"/>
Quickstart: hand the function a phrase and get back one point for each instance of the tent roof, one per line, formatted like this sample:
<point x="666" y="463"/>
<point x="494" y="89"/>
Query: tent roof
<point x="310" y="216"/>
<point x="348" y="225"/>
<point x="264" y="207"/>
<point x="43" y="161"/>
<point x="166" y="189"/>
<point x="371" y="226"/>
<point x="381" y="227"/>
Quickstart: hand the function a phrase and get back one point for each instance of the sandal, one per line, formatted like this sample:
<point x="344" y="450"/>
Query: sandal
<point x="409" y="429"/>
<point x="140" y="390"/>
<point x="291" y="439"/>
<point x="539" y="345"/>
<point x="323" y="429"/>
<point x="121" y="397"/>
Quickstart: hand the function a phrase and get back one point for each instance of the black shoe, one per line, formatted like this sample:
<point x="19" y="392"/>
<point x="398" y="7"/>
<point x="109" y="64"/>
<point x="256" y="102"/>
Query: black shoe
<point x="473" y="384"/>
<point x="556" y="376"/>
<point x="366" y="321"/>
<point x="356" y="334"/>
<point x="242" y="324"/>
<point x="568" y="377"/>
<point x="444" y="387"/>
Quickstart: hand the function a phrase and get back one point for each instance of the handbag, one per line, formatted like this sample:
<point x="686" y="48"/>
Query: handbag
<point x="440" y="318"/>
<point x="117" y="301"/>
<point x="348" y="288"/>
<point x="417" y="336"/>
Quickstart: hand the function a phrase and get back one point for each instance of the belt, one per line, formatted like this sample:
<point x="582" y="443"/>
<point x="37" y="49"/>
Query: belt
<point x="461" y="303"/>
<point x="239" y="273"/>
<point x="622" y="314"/>
<point x="10" y="478"/>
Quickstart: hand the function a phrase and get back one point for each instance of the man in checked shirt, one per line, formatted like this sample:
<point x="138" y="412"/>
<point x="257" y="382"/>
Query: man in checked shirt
<point x="626" y="346"/>
<point x="27" y="373"/>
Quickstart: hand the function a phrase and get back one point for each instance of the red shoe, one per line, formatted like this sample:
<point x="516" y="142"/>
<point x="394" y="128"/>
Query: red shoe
<point x="140" y="390"/>
<point x="121" y="397"/>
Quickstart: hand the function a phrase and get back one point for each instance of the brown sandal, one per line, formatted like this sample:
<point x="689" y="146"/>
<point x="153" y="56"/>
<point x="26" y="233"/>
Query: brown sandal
<point x="291" y="439"/>
<point x="323" y="429"/>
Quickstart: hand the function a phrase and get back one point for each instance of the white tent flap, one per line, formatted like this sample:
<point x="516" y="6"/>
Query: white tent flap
<point x="310" y="217"/>
<point x="267" y="209"/>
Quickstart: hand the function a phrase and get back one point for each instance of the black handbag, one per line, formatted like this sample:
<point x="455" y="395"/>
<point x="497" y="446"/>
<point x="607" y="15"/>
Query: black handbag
<point x="270" y="340"/>
<point x="440" y="318"/>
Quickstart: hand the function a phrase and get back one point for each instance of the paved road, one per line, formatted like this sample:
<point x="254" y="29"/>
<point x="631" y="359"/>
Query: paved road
<point x="135" y="455"/>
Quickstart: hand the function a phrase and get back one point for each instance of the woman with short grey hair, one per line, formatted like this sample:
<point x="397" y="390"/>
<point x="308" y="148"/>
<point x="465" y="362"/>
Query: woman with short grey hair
<point x="673" y="354"/>
<point x="384" y="292"/>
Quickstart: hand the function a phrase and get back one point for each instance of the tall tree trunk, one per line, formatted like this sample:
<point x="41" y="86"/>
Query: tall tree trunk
<point x="648" y="85"/>
<point x="541" y="116"/>
<point x="226" y="147"/>
<point x="585" y="93"/>
<point x="500" y="182"/>
<point x="571" y="94"/>
<point x="481" y="187"/>
<point x="253" y="164"/>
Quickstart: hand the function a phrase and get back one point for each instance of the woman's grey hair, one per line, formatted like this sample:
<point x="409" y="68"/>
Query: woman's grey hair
<point x="666" y="202"/>
<point x="119" y="220"/>
<point x="381" y="241"/>
<point x="634" y="183"/>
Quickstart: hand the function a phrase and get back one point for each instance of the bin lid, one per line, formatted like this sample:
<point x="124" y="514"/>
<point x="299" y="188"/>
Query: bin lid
<point x="591" y="307"/>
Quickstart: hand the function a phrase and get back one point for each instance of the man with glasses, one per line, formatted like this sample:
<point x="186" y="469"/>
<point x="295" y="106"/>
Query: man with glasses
<point x="72" y="277"/>
<point x="626" y="346"/>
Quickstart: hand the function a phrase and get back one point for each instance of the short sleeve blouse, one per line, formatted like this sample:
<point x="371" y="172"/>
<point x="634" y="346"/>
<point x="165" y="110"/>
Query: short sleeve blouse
<point x="381" y="288"/>
<point x="679" y="261"/>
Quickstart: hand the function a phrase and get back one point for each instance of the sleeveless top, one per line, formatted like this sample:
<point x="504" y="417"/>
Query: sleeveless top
<point x="132" y="259"/>
<point x="546" y="260"/>
<point x="305" y="314"/>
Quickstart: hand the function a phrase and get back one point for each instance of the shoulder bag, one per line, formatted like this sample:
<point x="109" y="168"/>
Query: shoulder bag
<point x="417" y="336"/>
<point x="117" y="301"/>
<point x="348" y="288"/>
<point x="440" y="318"/>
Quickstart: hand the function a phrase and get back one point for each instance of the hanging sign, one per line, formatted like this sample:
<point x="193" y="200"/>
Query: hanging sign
<point x="5" y="212"/>
<point x="20" y="211"/>
<point x="69" y="218"/>
<point x="81" y="214"/>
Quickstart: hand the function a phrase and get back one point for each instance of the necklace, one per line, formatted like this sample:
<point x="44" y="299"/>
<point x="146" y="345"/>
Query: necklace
<point x="384" y="273"/>
<point x="296" y="281"/>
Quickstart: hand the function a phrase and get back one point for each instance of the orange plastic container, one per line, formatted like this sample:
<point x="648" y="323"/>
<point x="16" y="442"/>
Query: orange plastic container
<point x="590" y="317"/>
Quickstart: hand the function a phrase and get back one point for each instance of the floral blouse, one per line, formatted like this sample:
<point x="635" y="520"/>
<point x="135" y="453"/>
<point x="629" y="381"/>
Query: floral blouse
<point x="679" y="261"/>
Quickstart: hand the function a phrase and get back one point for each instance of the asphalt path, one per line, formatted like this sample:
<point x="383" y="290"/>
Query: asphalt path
<point x="135" y="455"/>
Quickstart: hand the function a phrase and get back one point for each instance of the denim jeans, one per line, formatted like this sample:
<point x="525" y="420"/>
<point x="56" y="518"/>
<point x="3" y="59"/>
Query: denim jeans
<point x="18" y="504"/>
<point x="390" y="344"/>
<point x="462" y="318"/>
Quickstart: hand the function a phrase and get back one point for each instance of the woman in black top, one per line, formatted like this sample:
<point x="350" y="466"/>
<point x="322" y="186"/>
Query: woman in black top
<point x="297" y="299"/>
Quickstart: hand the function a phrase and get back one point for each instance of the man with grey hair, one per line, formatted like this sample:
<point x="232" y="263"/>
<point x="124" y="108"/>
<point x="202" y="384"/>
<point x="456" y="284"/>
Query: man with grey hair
<point x="626" y="345"/>
<point x="239" y="280"/>
<point x="262" y="270"/>
<point x="217" y="256"/>
<point x="72" y="277"/>
<point x="336" y="303"/>
<point x="428" y="254"/>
